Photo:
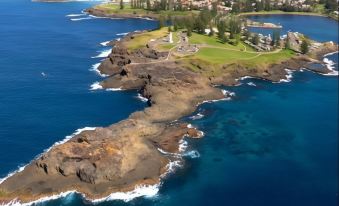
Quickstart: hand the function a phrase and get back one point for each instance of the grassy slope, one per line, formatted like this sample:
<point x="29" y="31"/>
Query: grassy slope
<point x="141" y="40"/>
<point x="213" y="41"/>
<point x="213" y="54"/>
<point x="281" y="12"/>
<point x="115" y="9"/>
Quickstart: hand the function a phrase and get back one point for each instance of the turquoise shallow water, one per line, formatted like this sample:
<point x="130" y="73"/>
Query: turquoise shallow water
<point x="272" y="144"/>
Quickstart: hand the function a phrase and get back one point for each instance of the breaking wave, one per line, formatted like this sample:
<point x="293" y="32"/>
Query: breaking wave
<point x="288" y="76"/>
<point x="143" y="99"/>
<point x="75" y="15"/>
<point x="95" y="86"/>
<point x="251" y="84"/>
<point x="105" y="43"/>
<point x="122" y="34"/>
<point x="80" y="19"/>
<point x="197" y="116"/>
<point x="139" y="191"/>
<point x="95" y="69"/>
<point x="103" y="54"/>
<point x="330" y="66"/>
<point x="114" y="89"/>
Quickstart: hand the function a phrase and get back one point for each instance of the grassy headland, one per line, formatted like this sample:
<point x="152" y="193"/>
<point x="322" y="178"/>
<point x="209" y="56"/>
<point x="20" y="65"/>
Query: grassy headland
<point x="212" y="54"/>
<point x="114" y="9"/>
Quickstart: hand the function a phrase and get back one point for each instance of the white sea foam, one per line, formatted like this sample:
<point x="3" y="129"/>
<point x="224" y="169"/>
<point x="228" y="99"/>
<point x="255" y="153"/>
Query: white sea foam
<point x="288" y="76"/>
<point x="246" y="77"/>
<point x="330" y="66"/>
<point x="75" y="15"/>
<point x="183" y="144"/>
<point x="329" y="54"/>
<point x="95" y="86"/>
<point x="122" y="34"/>
<point x="95" y="69"/>
<point x="171" y="167"/>
<point x="105" y="43"/>
<point x="78" y="131"/>
<point x="197" y="116"/>
<point x="80" y="19"/>
<point x="251" y="84"/>
<point x="143" y="99"/>
<point x="139" y="191"/>
<point x="114" y="89"/>
<point x="103" y="54"/>
<point x="201" y="134"/>
<point x="41" y="200"/>
<point x="228" y="95"/>
<point x="145" y="18"/>
<point x="102" y="17"/>
<point x="192" y="154"/>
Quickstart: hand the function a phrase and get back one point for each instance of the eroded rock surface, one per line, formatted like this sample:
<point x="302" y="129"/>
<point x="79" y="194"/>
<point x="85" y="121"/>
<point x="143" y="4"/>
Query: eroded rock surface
<point x="123" y="155"/>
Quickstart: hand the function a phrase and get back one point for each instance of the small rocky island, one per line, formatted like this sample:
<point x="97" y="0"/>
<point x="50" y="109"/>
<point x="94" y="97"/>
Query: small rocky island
<point x="175" y="70"/>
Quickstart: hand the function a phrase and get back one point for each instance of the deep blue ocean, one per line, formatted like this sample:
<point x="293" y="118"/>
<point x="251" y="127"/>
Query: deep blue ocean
<point x="272" y="144"/>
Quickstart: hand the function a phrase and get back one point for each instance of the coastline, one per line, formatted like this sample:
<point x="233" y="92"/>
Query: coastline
<point x="104" y="14"/>
<point x="287" y="13"/>
<point x="154" y="89"/>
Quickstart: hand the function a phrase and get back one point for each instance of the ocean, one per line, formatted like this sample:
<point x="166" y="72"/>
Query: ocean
<point x="271" y="144"/>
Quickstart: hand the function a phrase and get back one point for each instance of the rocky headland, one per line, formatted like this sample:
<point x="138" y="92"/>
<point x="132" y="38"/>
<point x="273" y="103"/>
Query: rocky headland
<point x="101" y="12"/>
<point x="135" y="151"/>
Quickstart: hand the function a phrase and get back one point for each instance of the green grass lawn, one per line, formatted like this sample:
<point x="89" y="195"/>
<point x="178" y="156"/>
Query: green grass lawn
<point x="214" y="41"/>
<point x="211" y="60"/>
<point x="222" y="56"/>
<point x="140" y="40"/>
<point x="268" y="59"/>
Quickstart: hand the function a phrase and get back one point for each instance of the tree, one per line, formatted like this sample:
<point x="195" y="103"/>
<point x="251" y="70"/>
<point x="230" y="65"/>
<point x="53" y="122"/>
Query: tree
<point x="267" y="5"/>
<point x="163" y="4"/>
<point x="179" y="7"/>
<point x="235" y="8"/>
<point x="121" y="4"/>
<point x="148" y="5"/>
<point x="189" y="32"/>
<point x="276" y="37"/>
<point x="248" y="6"/>
<point x="247" y="34"/>
<point x="235" y="26"/>
<point x="331" y="5"/>
<point x="304" y="46"/>
<point x="202" y="21"/>
<point x="221" y="25"/>
<point x="259" y="6"/>
<point x="188" y="23"/>
<point x="214" y="10"/>
<point x="211" y="30"/>
<point x="287" y="43"/>
<point x="170" y="5"/>
<point x="255" y="39"/>
<point x="161" y="22"/>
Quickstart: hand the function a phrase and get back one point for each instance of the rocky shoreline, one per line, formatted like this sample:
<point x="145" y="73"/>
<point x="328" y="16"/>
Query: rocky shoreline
<point x="103" y="13"/>
<point x="134" y="151"/>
